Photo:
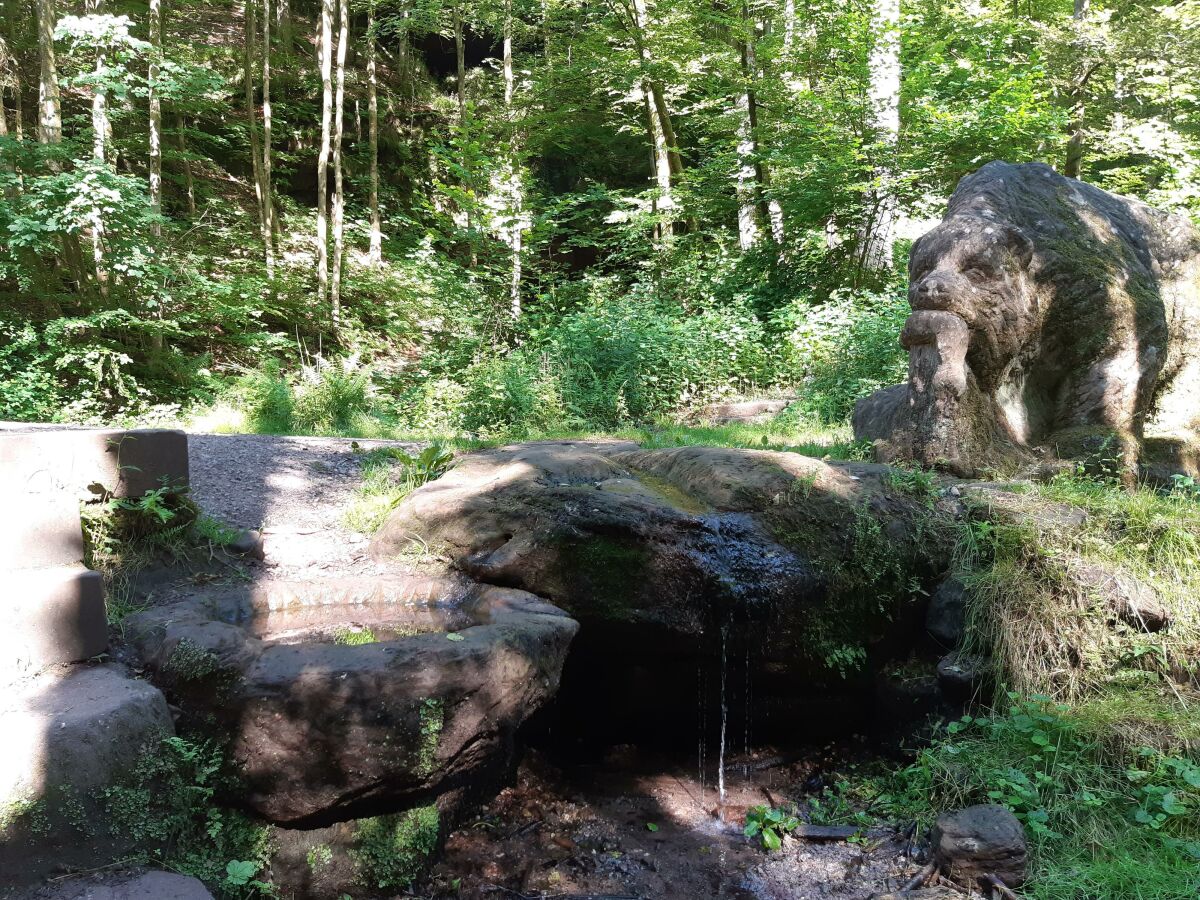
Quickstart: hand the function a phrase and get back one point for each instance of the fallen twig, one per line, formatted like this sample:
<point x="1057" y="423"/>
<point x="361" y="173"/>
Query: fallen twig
<point x="1000" y="887"/>
<point x="920" y="878"/>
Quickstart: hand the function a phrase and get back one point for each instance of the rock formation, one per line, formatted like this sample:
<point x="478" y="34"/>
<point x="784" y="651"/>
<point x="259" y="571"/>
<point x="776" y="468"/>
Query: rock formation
<point x="324" y="729"/>
<point x="798" y="569"/>
<point x="1047" y="313"/>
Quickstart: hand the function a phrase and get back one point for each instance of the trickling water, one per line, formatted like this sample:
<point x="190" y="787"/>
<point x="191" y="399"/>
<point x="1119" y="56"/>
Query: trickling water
<point x="702" y="705"/>
<point x="746" y="714"/>
<point x="724" y="721"/>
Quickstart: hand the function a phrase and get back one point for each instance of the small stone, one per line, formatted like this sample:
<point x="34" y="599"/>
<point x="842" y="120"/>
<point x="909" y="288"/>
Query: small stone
<point x="247" y="543"/>
<point x="980" y="840"/>
<point x="959" y="675"/>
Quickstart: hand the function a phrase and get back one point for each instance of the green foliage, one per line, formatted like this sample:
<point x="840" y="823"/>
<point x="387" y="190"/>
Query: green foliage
<point x="353" y="637"/>
<point x="168" y="804"/>
<point x="391" y="851"/>
<point x="1099" y="824"/>
<point x="769" y="825"/>
<point x="390" y="475"/>
<point x="846" y="348"/>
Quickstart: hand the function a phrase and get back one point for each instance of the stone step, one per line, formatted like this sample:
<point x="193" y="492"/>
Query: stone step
<point x="47" y="616"/>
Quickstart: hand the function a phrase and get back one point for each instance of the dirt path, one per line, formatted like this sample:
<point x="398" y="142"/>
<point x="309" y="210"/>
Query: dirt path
<point x="294" y="489"/>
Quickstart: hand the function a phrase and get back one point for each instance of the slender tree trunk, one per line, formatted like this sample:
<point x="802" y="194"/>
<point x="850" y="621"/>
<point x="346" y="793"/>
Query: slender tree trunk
<point x="155" y="160"/>
<point x="272" y="229"/>
<point x="878" y="236"/>
<point x="662" y="134"/>
<point x="49" y="100"/>
<point x="189" y="183"/>
<point x="250" y="39"/>
<point x="1075" y="145"/>
<point x="325" y="55"/>
<point x="16" y="26"/>
<point x="376" y="251"/>
<point x="283" y="25"/>
<point x="100" y="137"/>
<point x="748" y="176"/>
<point x="402" y="64"/>
<point x="660" y="167"/>
<point x="515" y="189"/>
<point x="460" y="63"/>
<point x="339" y="198"/>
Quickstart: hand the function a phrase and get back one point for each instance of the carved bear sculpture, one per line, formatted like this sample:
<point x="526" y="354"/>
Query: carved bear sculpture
<point x="1046" y="314"/>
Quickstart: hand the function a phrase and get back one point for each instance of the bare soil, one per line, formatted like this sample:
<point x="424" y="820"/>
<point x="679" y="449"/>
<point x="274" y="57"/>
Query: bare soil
<point x="638" y="827"/>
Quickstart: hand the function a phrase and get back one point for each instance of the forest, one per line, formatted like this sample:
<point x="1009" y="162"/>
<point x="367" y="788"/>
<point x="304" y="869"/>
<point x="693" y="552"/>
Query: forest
<point x="514" y="218"/>
<point x="600" y="449"/>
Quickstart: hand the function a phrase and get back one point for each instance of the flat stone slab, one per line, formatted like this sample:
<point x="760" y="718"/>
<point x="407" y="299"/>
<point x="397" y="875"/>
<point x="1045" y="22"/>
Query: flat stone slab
<point x="91" y="462"/>
<point x="51" y="616"/>
<point x="146" y="886"/>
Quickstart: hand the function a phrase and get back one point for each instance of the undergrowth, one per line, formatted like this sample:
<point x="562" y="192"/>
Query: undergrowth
<point x="122" y="536"/>
<point x="389" y="474"/>
<point x="168" y="804"/>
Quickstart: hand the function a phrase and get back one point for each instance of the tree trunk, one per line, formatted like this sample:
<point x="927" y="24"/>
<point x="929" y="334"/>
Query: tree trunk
<point x="189" y="183"/>
<point x="272" y="228"/>
<point x="13" y="66"/>
<point x="250" y="35"/>
<point x="325" y="56"/>
<point x="49" y="100"/>
<point x="877" y="238"/>
<point x="100" y="137"/>
<point x="662" y="134"/>
<point x="376" y="251"/>
<point x="339" y="199"/>
<point x="155" y="102"/>
<point x="460" y="63"/>
<point x="515" y="189"/>
<point x="1074" y="157"/>
<point x="748" y="176"/>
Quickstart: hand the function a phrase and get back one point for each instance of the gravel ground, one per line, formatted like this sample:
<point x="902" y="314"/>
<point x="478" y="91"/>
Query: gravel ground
<point x="292" y="489"/>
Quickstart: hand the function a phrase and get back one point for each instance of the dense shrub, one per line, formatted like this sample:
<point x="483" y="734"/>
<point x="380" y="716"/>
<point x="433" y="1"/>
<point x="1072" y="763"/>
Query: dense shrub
<point x="845" y="348"/>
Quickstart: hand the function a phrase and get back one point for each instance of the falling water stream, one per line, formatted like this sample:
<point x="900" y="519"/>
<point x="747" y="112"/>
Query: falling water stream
<point x="724" y="720"/>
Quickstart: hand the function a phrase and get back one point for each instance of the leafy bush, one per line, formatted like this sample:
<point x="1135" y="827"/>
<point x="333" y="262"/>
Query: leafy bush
<point x="844" y="349"/>
<point x="393" y="850"/>
<point x="331" y="396"/>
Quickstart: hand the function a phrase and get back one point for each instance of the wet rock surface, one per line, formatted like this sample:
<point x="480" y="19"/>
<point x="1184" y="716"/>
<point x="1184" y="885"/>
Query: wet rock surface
<point x="679" y="539"/>
<point x="420" y="695"/>
<point x="793" y="570"/>
<point x="1047" y="313"/>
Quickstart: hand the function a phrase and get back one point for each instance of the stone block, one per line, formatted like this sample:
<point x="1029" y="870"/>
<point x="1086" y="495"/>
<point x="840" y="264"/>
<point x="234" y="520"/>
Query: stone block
<point x="69" y="734"/>
<point x="50" y="616"/>
<point x="90" y="463"/>
<point x="39" y="526"/>
<point x="129" y="463"/>
<point x="146" y="886"/>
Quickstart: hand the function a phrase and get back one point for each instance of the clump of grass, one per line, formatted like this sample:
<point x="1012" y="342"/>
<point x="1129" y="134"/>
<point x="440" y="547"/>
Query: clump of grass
<point x="353" y="636"/>
<point x="1046" y="629"/>
<point x="388" y="476"/>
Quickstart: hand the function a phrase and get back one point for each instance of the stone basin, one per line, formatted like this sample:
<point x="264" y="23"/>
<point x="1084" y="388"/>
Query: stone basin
<point x="348" y="697"/>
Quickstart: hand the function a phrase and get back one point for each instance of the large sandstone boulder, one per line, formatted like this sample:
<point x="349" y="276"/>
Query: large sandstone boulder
<point x="348" y="696"/>
<point x="664" y="554"/>
<point x="1047" y="313"/>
